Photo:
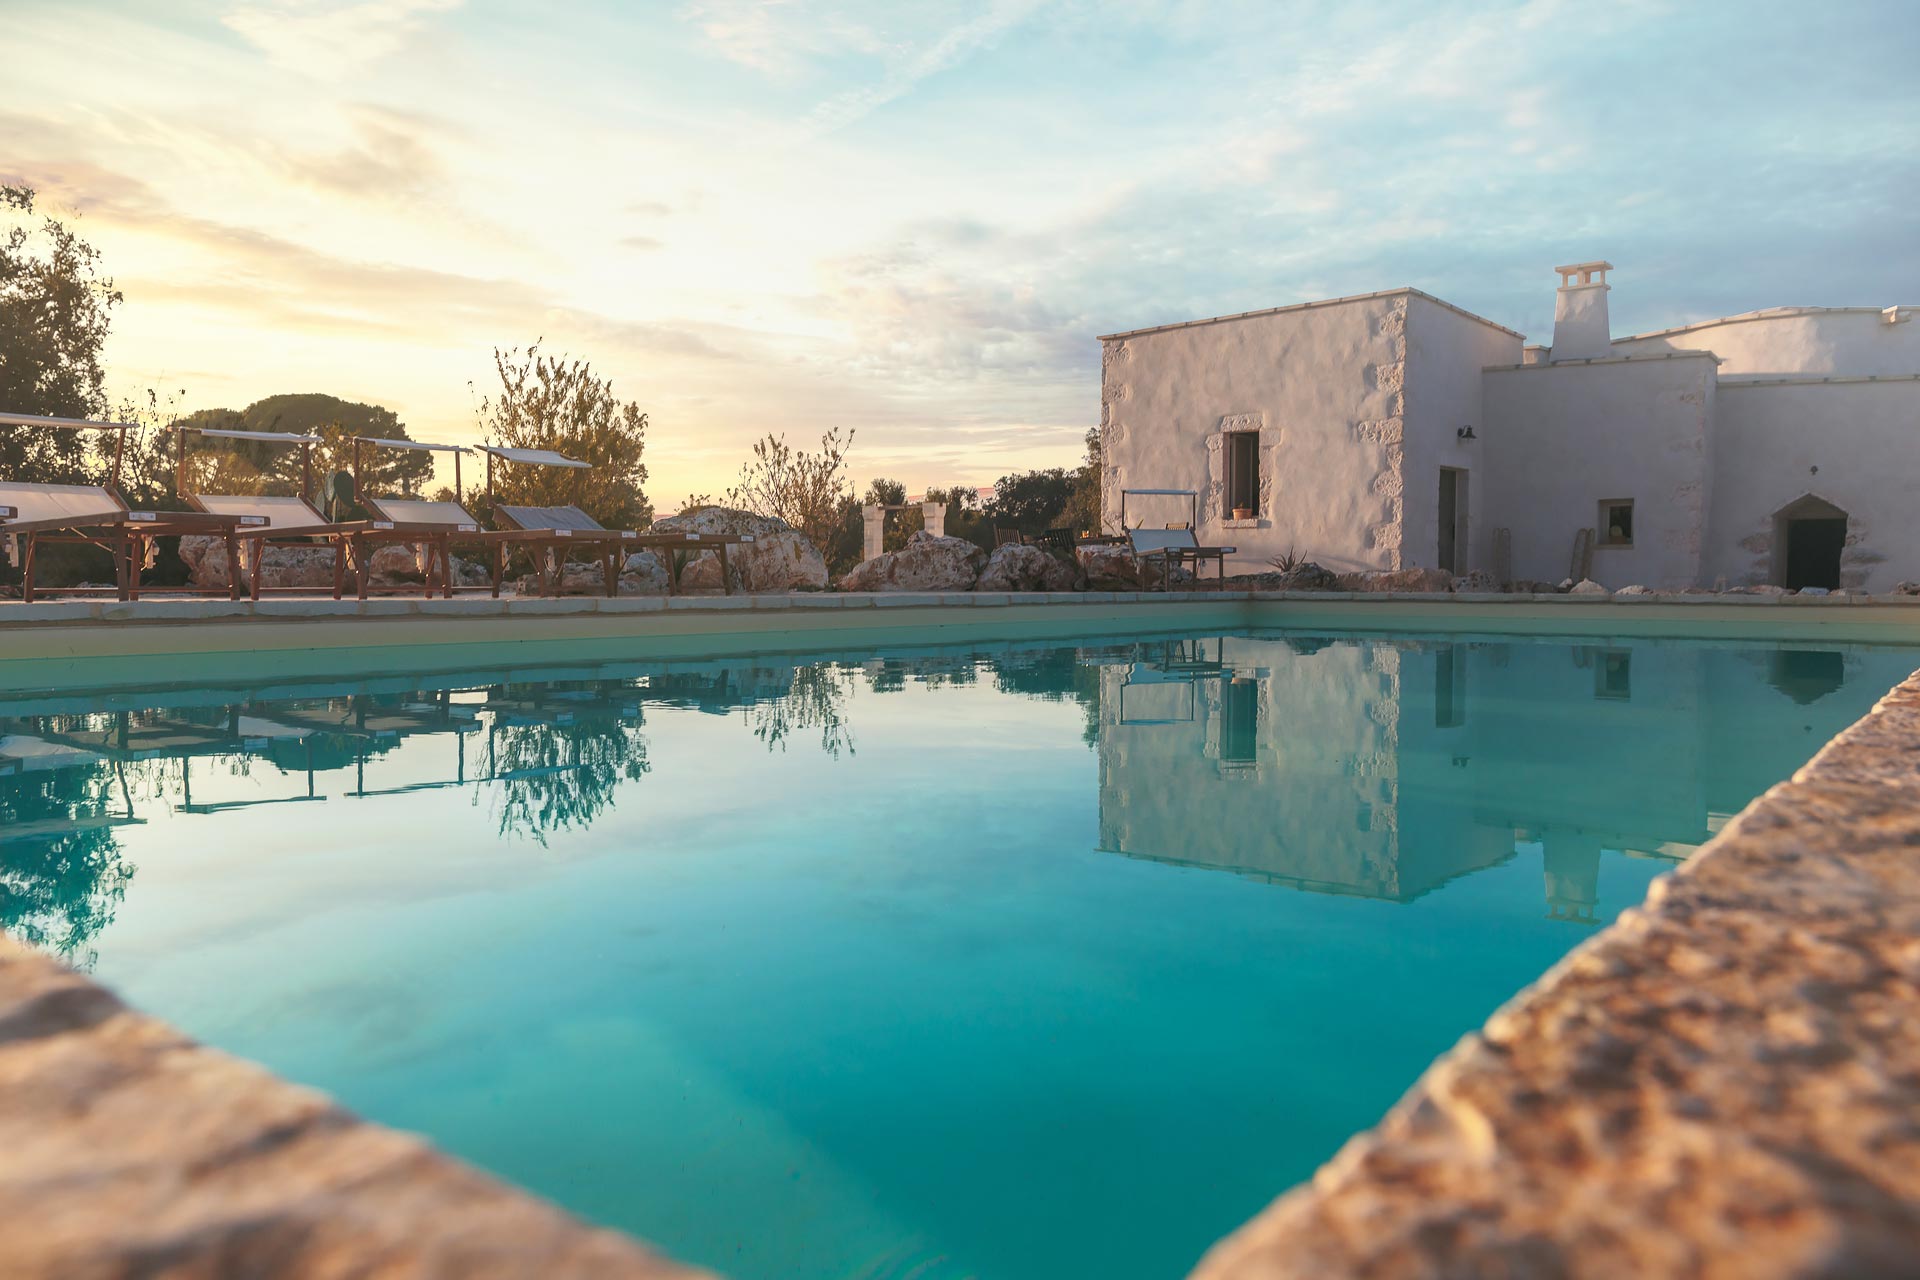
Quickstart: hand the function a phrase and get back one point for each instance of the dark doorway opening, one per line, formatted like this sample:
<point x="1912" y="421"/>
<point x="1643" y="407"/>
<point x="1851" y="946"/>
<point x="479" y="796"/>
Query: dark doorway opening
<point x="1809" y="536"/>
<point x="1453" y="519"/>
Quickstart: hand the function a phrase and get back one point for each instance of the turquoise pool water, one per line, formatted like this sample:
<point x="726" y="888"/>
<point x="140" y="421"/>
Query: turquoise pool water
<point x="1020" y="961"/>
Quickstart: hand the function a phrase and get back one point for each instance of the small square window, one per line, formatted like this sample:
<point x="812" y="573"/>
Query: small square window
<point x="1616" y="522"/>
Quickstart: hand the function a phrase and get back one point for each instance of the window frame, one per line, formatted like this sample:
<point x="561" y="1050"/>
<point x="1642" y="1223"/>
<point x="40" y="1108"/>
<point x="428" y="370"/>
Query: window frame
<point x="1231" y="471"/>
<point x="1601" y="522"/>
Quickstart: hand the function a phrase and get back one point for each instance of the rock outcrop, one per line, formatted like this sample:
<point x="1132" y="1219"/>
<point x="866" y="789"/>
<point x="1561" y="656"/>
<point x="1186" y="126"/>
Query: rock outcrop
<point x="1429" y="580"/>
<point x="1114" y="568"/>
<point x="780" y="558"/>
<point x="926" y="563"/>
<point x="310" y="567"/>
<point x="1308" y="576"/>
<point x="1016" y="567"/>
<point x="644" y="574"/>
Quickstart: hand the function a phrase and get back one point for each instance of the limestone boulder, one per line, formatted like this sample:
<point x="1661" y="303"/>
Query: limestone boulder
<point x="1476" y="580"/>
<point x="1016" y="567"/>
<point x="395" y="566"/>
<point x="281" y="568"/>
<point x="926" y="563"/>
<point x="1308" y="576"/>
<point x="1907" y="589"/>
<point x="1588" y="587"/>
<point x="1635" y="590"/>
<point x="1113" y="568"/>
<point x="644" y="574"/>
<point x="780" y="557"/>
<point x="1429" y="580"/>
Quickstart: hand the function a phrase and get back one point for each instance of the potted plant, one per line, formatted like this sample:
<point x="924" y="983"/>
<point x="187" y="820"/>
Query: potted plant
<point x="1243" y="513"/>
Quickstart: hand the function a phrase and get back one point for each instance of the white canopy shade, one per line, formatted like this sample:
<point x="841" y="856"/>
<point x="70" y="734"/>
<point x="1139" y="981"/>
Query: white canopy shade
<point x="276" y="437"/>
<point x="412" y="444"/>
<point x="544" y="457"/>
<point x="74" y="424"/>
<point x="1170" y="493"/>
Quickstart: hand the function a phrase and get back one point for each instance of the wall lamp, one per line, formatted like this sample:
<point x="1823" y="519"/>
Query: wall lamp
<point x="1466" y="433"/>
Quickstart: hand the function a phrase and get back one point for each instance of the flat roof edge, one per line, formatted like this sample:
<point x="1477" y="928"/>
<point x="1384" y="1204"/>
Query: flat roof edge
<point x="1579" y="364"/>
<point x="1748" y="317"/>
<point x="1408" y="290"/>
<point x="1814" y="380"/>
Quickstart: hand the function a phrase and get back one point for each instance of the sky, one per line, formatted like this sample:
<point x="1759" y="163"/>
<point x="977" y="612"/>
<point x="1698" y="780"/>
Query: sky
<point x="914" y="219"/>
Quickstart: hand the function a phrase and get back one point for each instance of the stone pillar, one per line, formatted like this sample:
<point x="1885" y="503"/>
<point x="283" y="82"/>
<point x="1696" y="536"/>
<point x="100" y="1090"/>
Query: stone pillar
<point x="875" y="520"/>
<point x="933" y="516"/>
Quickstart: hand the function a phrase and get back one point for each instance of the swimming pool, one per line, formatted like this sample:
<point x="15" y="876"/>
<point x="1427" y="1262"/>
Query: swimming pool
<point x="1005" y="961"/>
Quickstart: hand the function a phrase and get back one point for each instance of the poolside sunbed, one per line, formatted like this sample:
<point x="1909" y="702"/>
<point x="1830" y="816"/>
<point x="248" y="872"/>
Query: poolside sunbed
<point x="428" y="525"/>
<point x="550" y="533"/>
<point x="96" y="515"/>
<point x="1175" y="544"/>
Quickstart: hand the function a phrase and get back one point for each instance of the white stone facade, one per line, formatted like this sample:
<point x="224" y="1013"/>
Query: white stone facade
<point x="1741" y="443"/>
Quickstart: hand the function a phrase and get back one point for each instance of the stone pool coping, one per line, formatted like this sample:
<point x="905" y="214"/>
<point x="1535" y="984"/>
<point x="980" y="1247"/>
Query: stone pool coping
<point x="130" y="1150"/>
<point x="1724" y="1082"/>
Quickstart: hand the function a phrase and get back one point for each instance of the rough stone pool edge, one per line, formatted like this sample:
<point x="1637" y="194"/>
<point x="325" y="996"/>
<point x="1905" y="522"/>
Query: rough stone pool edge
<point x="1721" y="1083"/>
<point x="1724" y="1082"/>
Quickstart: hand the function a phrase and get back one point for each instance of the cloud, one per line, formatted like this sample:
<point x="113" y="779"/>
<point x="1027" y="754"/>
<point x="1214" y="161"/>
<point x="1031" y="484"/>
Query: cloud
<point x="391" y="156"/>
<point x="779" y="37"/>
<point x="951" y="47"/>
<point x="326" y="39"/>
<point x="644" y="244"/>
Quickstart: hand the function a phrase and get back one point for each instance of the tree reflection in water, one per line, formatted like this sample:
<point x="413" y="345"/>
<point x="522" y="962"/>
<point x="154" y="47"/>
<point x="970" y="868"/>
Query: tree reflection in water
<point x="558" y="755"/>
<point x="550" y="756"/>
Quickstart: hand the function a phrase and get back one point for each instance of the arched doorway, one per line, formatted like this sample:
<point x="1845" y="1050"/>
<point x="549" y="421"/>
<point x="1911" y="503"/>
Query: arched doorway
<point x="1808" y="536"/>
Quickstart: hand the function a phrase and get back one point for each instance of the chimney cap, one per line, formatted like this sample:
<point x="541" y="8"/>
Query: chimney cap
<point x="1586" y="271"/>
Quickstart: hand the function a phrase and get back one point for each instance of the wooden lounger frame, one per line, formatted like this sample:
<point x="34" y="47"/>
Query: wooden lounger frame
<point x="549" y="546"/>
<point x="124" y="534"/>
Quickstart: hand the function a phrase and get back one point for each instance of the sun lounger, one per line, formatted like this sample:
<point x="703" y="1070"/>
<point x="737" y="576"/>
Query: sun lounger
<point x="428" y="525"/>
<point x="280" y="521"/>
<point x="550" y="533"/>
<point x="96" y="515"/>
<point x="1172" y="548"/>
<point x="1175" y="544"/>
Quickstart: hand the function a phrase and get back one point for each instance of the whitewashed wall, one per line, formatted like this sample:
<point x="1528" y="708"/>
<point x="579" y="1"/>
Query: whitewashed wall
<point x="1560" y="438"/>
<point x="1864" y="438"/>
<point x="1446" y="352"/>
<point x="1852" y="341"/>
<point x="1323" y="384"/>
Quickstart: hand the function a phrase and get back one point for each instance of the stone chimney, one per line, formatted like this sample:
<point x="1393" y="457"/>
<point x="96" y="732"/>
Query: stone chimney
<point x="1580" y="328"/>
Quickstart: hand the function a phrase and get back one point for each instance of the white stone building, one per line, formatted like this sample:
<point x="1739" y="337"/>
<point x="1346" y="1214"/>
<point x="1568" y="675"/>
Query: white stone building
<point x="1393" y="430"/>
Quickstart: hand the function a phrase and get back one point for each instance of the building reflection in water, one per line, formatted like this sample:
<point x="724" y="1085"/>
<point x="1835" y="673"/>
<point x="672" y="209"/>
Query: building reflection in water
<point x="1355" y="766"/>
<point x="1387" y="769"/>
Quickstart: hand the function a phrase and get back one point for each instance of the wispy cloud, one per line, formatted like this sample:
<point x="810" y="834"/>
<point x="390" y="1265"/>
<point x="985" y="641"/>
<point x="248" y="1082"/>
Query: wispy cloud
<point x="327" y="38"/>
<point x="946" y="50"/>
